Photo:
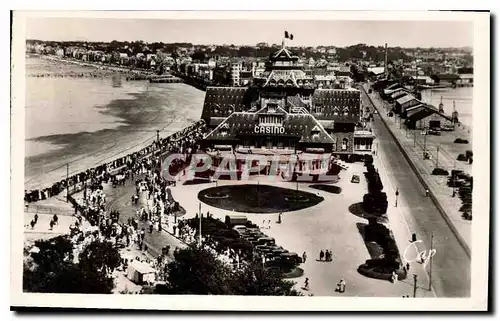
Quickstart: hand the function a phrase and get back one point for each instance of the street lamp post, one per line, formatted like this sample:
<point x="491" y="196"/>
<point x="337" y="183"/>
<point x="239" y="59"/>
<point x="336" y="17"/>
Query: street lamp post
<point x="397" y="194"/>
<point x="414" y="285"/>
<point x="437" y="155"/>
<point x="67" y="182"/>
<point x="425" y="140"/>
<point x="430" y="264"/>
<point x="199" y="211"/>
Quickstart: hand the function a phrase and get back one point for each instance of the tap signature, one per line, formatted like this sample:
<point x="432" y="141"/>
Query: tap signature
<point x="420" y="257"/>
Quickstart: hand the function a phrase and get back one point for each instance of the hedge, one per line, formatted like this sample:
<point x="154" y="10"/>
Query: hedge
<point x="374" y="271"/>
<point x="461" y="141"/>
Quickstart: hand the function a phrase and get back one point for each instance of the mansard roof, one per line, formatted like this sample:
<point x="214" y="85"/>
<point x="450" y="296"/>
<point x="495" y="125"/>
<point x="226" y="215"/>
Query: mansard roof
<point x="223" y="101"/>
<point x="286" y="77"/>
<point x="300" y="126"/>
<point x="341" y="105"/>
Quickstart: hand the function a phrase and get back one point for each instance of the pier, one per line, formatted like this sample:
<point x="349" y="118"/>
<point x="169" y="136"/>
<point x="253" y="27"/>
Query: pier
<point x="166" y="80"/>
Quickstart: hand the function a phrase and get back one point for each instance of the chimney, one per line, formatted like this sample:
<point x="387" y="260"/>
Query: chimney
<point x="385" y="62"/>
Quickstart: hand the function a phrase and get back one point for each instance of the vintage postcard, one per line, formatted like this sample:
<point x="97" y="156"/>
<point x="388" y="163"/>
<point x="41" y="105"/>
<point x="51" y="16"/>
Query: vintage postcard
<point x="250" y="161"/>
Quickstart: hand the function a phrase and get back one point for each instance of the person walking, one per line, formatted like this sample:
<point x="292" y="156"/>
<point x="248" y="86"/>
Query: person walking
<point x="306" y="284"/>
<point x="35" y="218"/>
<point x="321" y="255"/>
<point x="304" y="257"/>
<point x="341" y="286"/>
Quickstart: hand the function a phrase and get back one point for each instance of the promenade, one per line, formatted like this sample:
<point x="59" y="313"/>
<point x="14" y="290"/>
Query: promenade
<point x="451" y="275"/>
<point x="413" y="144"/>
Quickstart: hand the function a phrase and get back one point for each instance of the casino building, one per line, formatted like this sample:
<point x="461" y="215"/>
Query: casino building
<point x="283" y="112"/>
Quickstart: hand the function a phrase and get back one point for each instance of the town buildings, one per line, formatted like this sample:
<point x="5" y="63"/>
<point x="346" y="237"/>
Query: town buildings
<point x="285" y="110"/>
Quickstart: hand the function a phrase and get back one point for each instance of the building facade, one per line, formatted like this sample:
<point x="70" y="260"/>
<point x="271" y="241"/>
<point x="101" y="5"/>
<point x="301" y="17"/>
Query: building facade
<point x="283" y="110"/>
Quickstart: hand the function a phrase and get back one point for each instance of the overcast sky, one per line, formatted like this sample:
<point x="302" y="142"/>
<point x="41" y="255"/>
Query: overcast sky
<point x="249" y="32"/>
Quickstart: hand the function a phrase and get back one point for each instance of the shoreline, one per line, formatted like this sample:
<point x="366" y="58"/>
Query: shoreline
<point x="92" y="66"/>
<point x="132" y="109"/>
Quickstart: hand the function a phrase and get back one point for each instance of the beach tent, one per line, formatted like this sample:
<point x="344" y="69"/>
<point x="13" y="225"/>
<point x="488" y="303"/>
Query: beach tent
<point x="140" y="272"/>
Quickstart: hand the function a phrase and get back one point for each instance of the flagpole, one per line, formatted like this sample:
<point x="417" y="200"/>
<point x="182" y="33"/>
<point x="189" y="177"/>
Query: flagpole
<point x="199" y="212"/>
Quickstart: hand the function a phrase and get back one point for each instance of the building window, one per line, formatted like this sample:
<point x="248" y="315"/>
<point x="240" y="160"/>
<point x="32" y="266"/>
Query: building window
<point x="369" y="144"/>
<point x="357" y="144"/>
<point x="344" y="144"/>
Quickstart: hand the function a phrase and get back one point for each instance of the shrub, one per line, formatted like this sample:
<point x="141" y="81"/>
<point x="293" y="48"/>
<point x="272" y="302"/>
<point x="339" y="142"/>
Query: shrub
<point x="468" y="154"/>
<point x="378" y="269"/>
<point x="461" y="141"/>
<point x="368" y="160"/>
<point x="375" y="203"/>
<point x="462" y="158"/>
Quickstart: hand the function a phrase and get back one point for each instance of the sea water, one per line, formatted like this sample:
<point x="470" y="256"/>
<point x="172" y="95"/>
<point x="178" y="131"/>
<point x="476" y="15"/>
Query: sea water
<point x="84" y="122"/>
<point x="462" y="96"/>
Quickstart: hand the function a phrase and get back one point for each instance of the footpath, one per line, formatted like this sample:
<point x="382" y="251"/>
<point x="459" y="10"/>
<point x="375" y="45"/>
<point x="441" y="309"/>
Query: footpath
<point x="439" y="192"/>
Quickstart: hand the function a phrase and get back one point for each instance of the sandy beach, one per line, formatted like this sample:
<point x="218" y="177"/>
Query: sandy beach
<point x="87" y="121"/>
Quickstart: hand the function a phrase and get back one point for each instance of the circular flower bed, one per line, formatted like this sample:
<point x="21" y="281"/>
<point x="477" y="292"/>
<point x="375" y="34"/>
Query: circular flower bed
<point x="250" y="198"/>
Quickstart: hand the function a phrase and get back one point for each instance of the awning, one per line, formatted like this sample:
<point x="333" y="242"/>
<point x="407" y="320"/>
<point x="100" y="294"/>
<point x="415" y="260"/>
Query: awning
<point x="413" y="107"/>
<point x="410" y="113"/>
<point x="419" y="115"/>
<point x="405" y="99"/>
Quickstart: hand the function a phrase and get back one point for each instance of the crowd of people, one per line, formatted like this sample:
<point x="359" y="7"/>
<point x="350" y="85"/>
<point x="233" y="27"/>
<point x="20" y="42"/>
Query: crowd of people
<point x="177" y="142"/>
<point x="144" y="167"/>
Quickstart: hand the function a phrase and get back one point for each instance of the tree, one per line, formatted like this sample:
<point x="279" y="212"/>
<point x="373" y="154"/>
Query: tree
<point x="198" y="271"/>
<point x="253" y="279"/>
<point x="199" y="56"/>
<point x="52" y="252"/>
<point x="52" y="269"/>
<point x="99" y="256"/>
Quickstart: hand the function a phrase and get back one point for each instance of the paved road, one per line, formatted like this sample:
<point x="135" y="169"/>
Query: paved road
<point x="451" y="265"/>
<point x="120" y="200"/>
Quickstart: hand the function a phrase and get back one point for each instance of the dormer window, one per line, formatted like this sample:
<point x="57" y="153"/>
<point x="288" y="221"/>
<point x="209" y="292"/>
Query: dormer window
<point x="315" y="132"/>
<point x="344" y="144"/>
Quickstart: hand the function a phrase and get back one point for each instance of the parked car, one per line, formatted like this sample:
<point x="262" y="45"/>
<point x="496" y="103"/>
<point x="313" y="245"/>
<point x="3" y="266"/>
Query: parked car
<point x="355" y="179"/>
<point x="266" y="241"/>
<point x="440" y="171"/>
